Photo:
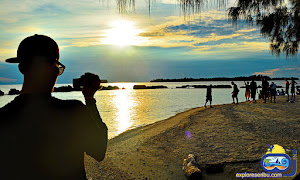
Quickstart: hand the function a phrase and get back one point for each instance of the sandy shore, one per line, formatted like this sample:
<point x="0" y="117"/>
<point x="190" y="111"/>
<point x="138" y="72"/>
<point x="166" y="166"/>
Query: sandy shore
<point x="232" y="135"/>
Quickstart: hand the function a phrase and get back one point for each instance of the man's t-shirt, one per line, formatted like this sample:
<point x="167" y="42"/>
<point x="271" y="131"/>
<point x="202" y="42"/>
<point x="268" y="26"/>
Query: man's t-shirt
<point x="273" y="86"/>
<point x="253" y="86"/>
<point x="265" y="84"/>
<point x="235" y="89"/>
<point x="43" y="137"/>
<point x="208" y="92"/>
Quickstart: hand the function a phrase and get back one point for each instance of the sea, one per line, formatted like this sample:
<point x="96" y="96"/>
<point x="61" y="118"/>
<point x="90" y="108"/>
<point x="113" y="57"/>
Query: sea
<point x="129" y="108"/>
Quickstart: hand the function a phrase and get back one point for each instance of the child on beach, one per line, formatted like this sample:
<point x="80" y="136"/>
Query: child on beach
<point x="247" y="92"/>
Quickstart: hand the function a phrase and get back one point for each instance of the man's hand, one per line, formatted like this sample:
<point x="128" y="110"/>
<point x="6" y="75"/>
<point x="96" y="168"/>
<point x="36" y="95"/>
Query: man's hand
<point x="91" y="83"/>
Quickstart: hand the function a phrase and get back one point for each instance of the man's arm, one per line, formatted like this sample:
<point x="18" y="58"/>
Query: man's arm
<point x="97" y="137"/>
<point x="96" y="132"/>
<point x="93" y="110"/>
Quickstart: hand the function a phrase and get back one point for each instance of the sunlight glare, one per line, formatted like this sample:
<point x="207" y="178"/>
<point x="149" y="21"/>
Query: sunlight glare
<point x="124" y="103"/>
<point x="123" y="33"/>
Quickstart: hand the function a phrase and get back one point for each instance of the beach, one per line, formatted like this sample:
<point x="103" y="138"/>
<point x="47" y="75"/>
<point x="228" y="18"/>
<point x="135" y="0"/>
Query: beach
<point x="232" y="136"/>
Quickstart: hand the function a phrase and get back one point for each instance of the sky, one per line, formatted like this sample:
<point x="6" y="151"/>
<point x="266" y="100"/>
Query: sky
<point x="138" y="45"/>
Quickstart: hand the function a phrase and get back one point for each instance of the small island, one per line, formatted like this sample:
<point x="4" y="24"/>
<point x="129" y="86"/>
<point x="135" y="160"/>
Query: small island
<point x="241" y="78"/>
<point x="149" y="87"/>
<point x="204" y="86"/>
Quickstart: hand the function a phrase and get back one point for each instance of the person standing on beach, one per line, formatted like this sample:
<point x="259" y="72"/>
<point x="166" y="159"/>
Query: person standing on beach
<point x="253" y="89"/>
<point x="235" y="92"/>
<point x="273" y="91"/>
<point x="208" y="95"/>
<point x="293" y="82"/>
<point x="287" y="86"/>
<point x="43" y="137"/>
<point x="247" y="92"/>
<point x="265" y="86"/>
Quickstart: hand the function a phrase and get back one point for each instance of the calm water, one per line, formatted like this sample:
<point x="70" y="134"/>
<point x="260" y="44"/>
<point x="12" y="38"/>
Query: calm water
<point x="125" y="109"/>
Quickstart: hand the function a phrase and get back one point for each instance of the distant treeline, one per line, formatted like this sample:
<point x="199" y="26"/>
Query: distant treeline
<point x="242" y="78"/>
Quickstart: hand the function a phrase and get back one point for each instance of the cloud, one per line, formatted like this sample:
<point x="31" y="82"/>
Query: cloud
<point x="23" y="29"/>
<point x="245" y="30"/>
<point x="212" y="33"/>
<point x="268" y="72"/>
<point x="64" y="21"/>
<point x="169" y="2"/>
<point x="286" y="71"/>
<point x="182" y="38"/>
<point x="7" y="80"/>
<point x="7" y="53"/>
<point x="237" y="49"/>
<point x="88" y="27"/>
<point x="85" y="42"/>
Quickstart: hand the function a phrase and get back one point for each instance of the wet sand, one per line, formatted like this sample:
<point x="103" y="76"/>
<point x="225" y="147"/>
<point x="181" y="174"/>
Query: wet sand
<point x="232" y="135"/>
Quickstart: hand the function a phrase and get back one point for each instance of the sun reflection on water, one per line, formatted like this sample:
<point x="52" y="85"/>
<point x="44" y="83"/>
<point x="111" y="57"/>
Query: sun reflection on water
<point x="124" y="104"/>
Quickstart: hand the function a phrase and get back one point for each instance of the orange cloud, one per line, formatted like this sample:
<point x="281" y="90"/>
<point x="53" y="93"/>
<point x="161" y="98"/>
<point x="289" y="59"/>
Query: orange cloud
<point x="6" y="80"/>
<point x="271" y="72"/>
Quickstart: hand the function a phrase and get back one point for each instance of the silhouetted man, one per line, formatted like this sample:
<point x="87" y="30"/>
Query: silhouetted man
<point x="235" y="92"/>
<point x="293" y="82"/>
<point x="253" y="89"/>
<point x="43" y="137"/>
<point x="265" y="86"/>
<point x="287" y="87"/>
<point x="208" y="96"/>
<point x="273" y="91"/>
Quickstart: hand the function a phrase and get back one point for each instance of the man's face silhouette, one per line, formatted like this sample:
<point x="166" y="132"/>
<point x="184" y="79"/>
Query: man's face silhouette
<point x="42" y="71"/>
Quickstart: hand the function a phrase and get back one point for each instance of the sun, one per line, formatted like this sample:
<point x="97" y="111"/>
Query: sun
<point x="123" y="33"/>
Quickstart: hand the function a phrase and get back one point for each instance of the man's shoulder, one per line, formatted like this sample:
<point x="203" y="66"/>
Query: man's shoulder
<point x="20" y="102"/>
<point x="67" y="103"/>
<point x="11" y="105"/>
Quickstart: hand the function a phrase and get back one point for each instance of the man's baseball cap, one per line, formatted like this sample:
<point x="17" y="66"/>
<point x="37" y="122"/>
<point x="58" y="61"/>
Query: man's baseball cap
<point x="36" y="45"/>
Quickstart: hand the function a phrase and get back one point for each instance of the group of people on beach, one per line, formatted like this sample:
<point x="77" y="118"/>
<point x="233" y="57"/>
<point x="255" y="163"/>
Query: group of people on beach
<point x="267" y="92"/>
<point x="287" y="85"/>
<point x="251" y="90"/>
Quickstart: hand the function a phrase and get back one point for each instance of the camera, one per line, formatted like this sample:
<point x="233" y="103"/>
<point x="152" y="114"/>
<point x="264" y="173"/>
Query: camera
<point x="86" y="78"/>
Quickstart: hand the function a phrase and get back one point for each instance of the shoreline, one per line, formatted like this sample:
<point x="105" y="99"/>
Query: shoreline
<point x="229" y="134"/>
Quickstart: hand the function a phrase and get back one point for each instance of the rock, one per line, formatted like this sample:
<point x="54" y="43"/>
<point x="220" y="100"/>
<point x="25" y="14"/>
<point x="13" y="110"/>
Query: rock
<point x="1" y="93"/>
<point x="13" y="92"/>
<point x="63" y="89"/>
<point x="110" y="88"/>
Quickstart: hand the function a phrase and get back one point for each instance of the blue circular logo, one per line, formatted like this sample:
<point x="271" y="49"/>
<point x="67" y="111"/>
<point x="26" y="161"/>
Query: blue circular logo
<point x="275" y="162"/>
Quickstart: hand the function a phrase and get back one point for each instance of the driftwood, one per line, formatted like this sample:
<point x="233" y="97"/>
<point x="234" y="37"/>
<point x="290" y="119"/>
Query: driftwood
<point x="190" y="168"/>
